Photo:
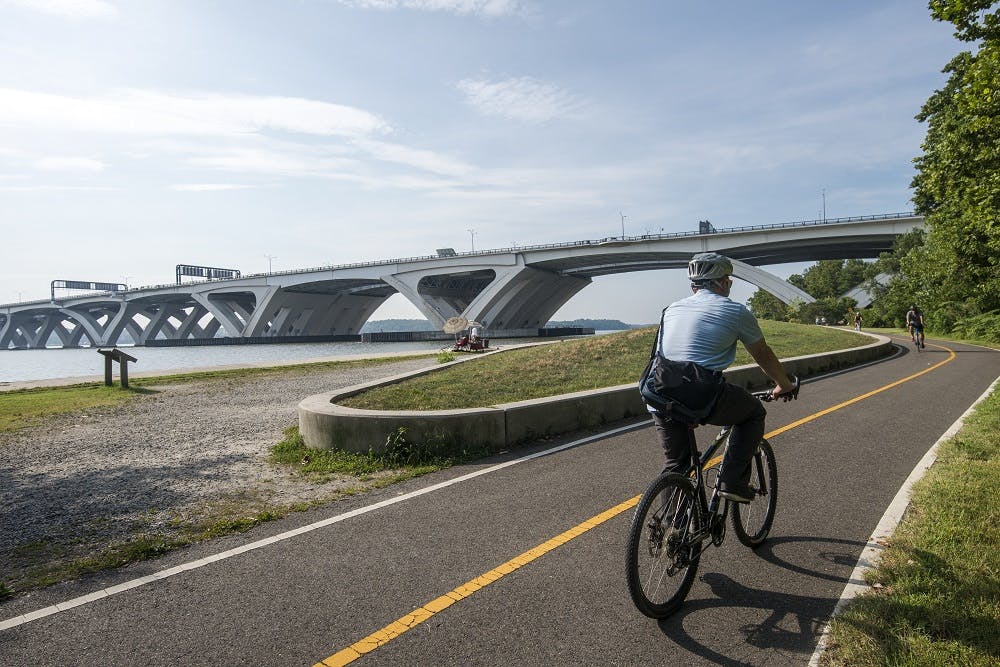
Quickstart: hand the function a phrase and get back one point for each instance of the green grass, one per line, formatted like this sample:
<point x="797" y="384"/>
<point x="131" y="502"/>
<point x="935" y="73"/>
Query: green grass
<point x="55" y="562"/>
<point x="265" y="371"/>
<point x="407" y="459"/>
<point x="28" y="407"/>
<point x="560" y="368"/>
<point x="936" y="596"/>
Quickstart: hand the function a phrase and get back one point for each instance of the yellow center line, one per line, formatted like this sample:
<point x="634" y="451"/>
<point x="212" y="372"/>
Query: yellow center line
<point x="788" y="427"/>
<point x="420" y="614"/>
<point x="817" y="415"/>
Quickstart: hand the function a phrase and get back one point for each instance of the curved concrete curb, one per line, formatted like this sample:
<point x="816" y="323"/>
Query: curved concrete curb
<point x="325" y="424"/>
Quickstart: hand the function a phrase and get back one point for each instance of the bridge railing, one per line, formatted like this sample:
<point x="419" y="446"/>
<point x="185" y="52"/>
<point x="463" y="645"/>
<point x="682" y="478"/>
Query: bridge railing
<point x="574" y="244"/>
<point x="504" y="251"/>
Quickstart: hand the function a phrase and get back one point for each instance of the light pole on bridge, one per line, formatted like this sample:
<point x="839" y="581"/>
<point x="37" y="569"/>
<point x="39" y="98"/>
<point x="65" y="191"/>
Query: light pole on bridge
<point x="623" y="223"/>
<point x="269" y="258"/>
<point x="472" y="233"/>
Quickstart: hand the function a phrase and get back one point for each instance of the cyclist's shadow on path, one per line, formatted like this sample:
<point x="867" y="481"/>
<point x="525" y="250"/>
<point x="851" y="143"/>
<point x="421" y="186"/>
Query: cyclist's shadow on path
<point x="809" y="613"/>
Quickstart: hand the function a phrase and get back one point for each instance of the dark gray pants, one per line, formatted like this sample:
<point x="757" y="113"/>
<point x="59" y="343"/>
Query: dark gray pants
<point x="736" y="407"/>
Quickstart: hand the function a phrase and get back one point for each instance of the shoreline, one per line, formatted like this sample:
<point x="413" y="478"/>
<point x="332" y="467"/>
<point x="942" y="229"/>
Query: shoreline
<point x="87" y="379"/>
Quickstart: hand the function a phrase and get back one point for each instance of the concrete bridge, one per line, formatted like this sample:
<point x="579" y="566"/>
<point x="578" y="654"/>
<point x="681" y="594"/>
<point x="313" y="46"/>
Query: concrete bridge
<point x="514" y="290"/>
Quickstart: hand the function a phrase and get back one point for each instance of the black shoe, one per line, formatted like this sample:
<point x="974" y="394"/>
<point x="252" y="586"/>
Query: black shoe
<point x="738" y="493"/>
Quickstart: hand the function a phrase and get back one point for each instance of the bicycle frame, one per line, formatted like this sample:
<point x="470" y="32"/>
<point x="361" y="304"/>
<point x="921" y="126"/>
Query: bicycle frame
<point x="712" y="519"/>
<point x="712" y="508"/>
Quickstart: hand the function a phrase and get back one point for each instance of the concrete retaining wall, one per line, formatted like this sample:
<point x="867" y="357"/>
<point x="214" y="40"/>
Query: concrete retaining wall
<point x="325" y="424"/>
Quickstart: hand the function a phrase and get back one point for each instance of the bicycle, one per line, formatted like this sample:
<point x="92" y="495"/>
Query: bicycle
<point x="676" y="521"/>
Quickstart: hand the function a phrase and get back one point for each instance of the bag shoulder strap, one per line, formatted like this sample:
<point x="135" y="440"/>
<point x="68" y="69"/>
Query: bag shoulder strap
<point x="656" y="339"/>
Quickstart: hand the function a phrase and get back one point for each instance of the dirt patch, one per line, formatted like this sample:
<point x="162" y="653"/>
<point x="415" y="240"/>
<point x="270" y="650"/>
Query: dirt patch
<point x="192" y="452"/>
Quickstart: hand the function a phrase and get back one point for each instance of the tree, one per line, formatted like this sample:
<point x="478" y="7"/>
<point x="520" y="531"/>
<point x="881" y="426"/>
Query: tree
<point x="766" y="306"/>
<point x="904" y="287"/>
<point x="833" y="310"/>
<point x="957" y="186"/>
<point x="827" y="281"/>
<point x="832" y="278"/>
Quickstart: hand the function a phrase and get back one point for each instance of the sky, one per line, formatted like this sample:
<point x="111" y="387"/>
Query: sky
<point x="136" y="135"/>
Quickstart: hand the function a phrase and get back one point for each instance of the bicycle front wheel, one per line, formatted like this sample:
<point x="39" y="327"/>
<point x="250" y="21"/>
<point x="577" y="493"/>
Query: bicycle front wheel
<point x="752" y="521"/>
<point x="663" y="552"/>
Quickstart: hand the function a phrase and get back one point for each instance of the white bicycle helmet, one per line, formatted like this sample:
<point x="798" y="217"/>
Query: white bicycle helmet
<point x="708" y="266"/>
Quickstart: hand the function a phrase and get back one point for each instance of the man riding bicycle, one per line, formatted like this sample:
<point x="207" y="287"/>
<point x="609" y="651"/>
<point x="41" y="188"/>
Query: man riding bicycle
<point x="915" y="325"/>
<point x="698" y="336"/>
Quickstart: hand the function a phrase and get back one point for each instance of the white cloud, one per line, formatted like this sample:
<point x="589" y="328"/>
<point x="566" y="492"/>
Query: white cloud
<point x="209" y="187"/>
<point x="479" y="7"/>
<point x="414" y="157"/>
<point x="72" y="9"/>
<point x="135" y="111"/>
<point x="55" y="188"/>
<point x="523" y="99"/>
<point x="69" y="164"/>
<point x="354" y="160"/>
<point x="278" y="161"/>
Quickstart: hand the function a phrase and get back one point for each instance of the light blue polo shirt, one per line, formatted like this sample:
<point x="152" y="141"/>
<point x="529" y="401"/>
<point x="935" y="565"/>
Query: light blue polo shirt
<point x="704" y="328"/>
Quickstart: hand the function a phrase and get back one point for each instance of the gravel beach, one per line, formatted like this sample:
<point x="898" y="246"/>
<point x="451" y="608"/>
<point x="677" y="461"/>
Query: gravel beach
<point x="82" y="482"/>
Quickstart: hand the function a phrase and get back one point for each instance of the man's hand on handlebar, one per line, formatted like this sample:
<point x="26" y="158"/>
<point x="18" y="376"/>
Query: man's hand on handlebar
<point x="781" y="394"/>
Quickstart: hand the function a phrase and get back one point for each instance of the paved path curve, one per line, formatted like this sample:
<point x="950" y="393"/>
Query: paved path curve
<point x="299" y="599"/>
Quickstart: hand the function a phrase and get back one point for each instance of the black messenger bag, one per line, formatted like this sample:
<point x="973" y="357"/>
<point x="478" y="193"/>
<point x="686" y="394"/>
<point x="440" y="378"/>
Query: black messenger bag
<point x="681" y="390"/>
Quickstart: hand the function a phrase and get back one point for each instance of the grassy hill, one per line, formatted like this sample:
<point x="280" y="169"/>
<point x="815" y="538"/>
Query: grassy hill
<point x="568" y="366"/>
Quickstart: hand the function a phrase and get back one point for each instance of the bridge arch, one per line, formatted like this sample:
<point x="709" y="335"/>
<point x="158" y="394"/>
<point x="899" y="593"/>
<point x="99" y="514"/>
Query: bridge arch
<point x="510" y="289"/>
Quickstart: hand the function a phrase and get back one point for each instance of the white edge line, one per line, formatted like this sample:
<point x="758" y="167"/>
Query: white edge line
<point x="193" y="565"/>
<point x="890" y="520"/>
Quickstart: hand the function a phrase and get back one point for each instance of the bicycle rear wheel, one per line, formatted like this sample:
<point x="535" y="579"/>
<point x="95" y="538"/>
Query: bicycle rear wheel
<point x="752" y="521"/>
<point x="662" y="555"/>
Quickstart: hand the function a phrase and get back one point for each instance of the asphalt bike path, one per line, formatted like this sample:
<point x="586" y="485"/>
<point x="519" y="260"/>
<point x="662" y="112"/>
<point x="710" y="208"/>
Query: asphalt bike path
<point x="525" y="564"/>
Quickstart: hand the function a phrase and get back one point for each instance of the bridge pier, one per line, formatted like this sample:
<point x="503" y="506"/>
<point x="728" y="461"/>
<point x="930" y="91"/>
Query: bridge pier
<point x="523" y="298"/>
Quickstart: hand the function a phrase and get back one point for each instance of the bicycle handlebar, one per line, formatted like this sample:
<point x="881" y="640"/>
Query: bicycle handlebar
<point x="792" y="395"/>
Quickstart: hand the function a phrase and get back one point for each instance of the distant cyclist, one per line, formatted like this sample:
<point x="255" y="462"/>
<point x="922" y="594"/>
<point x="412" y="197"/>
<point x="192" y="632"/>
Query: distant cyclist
<point x="915" y="325"/>
<point x="700" y="334"/>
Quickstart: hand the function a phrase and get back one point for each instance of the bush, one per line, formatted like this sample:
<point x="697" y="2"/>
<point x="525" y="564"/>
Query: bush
<point x="979" y="327"/>
<point x="437" y="451"/>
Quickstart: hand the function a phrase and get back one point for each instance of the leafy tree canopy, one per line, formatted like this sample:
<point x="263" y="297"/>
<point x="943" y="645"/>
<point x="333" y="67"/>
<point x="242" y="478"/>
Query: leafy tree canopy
<point x="957" y="186"/>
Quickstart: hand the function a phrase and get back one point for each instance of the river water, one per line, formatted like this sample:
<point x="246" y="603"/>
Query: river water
<point x="58" y="363"/>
